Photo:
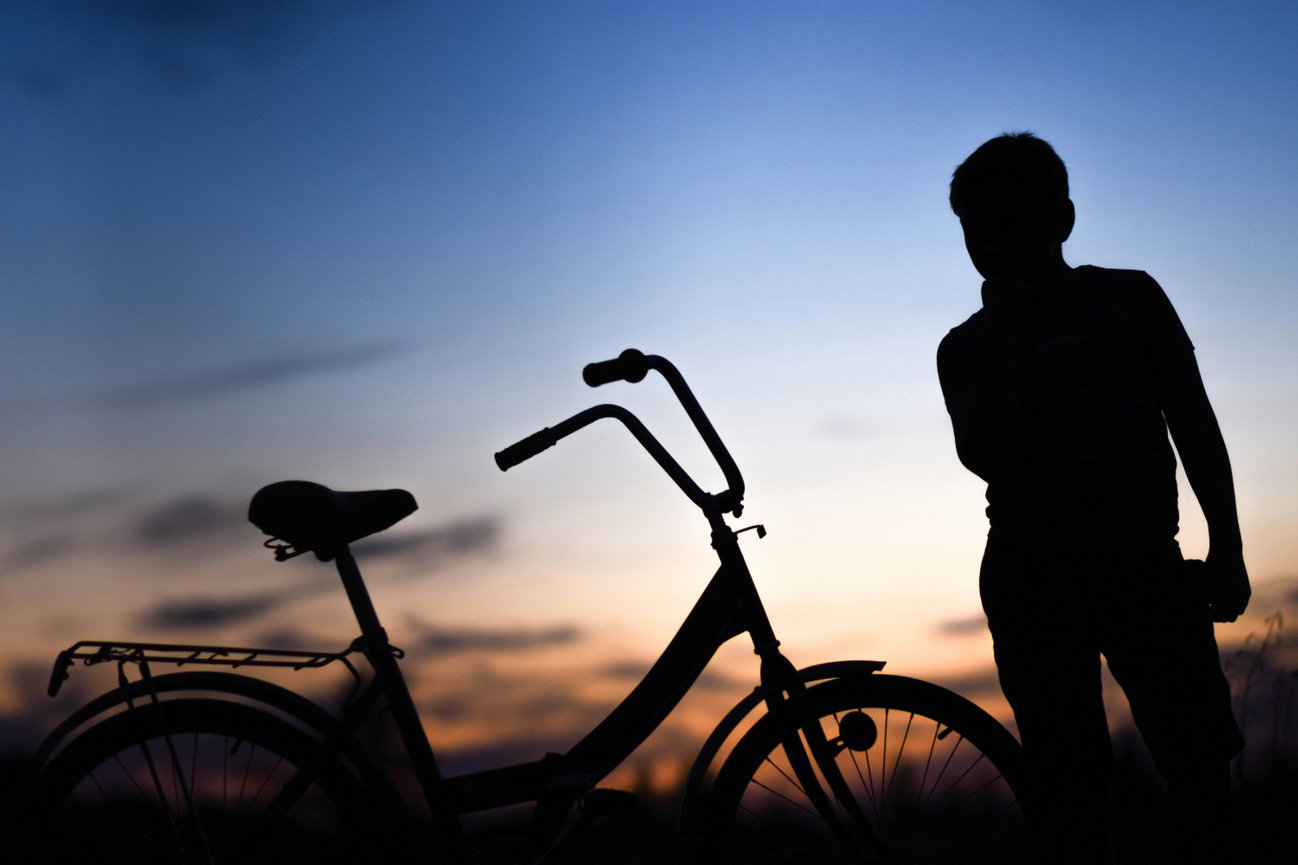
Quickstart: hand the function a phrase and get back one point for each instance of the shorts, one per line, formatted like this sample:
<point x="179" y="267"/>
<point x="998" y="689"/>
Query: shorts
<point x="1053" y="612"/>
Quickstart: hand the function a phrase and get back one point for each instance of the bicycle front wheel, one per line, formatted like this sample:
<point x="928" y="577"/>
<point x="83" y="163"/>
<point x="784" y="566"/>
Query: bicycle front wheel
<point x="202" y="781"/>
<point x="932" y="775"/>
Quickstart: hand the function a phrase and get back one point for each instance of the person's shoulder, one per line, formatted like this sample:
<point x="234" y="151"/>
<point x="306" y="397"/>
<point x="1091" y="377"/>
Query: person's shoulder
<point x="965" y="335"/>
<point x="1132" y="288"/>
<point x="972" y="323"/>
<point x="1141" y="298"/>
<point x="1114" y="278"/>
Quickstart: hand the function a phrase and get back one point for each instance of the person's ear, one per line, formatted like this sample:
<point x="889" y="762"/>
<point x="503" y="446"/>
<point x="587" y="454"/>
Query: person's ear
<point x="1067" y="218"/>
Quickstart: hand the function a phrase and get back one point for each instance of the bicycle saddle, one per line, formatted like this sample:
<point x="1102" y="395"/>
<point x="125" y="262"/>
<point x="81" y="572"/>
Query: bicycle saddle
<point x="305" y="517"/>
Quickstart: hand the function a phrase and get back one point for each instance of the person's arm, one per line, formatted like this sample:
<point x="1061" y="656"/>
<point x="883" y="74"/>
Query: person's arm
<point x="1193" y="425"/>
<point x="981" y="386"/>
<point x="1198" y="440"/>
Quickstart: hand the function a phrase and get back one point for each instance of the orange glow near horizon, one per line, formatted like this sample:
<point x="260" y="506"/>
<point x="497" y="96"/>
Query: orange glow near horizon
<point x="370" y="245"/>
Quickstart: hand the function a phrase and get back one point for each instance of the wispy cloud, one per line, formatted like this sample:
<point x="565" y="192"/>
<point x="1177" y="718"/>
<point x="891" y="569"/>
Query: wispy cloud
<point x="212" y="612"/>
<point x="253" y="374"/>
<point x="442" y="640"/>
<point x="967" y="626"/>
<point x="708" y="680"/>
<point x="978" y="686"/>
<point x="107" y="521"/>
<point x="199" y="517"/>
<point x="188" y="517"/>
<point x="37" y="550"/>
<point x="528" y="712"/>
<point x="525" y="728"/>
<point x="191" y="517"/>
<point x="427" y="547"/>
<point x="289" y="637"/>
<point x="509" y="715"/>
<point x="67" y="507"/>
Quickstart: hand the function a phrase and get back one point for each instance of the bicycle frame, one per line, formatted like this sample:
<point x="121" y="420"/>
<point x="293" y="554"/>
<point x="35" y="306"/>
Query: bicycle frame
<point x="728" y="607"/>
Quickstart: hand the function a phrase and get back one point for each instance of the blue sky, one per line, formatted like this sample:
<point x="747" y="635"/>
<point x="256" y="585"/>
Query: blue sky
<point x="370" y="244"/>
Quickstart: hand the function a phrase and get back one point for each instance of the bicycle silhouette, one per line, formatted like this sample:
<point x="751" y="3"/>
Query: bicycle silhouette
<point x="832" y="762"/>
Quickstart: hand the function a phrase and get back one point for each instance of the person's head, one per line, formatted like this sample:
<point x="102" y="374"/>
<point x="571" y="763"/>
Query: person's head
<point x="1011" y="196"/>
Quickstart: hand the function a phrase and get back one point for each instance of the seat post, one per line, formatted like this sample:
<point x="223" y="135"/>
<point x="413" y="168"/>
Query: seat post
<point x="359" y="596"/>
<point x="404" y="713"/>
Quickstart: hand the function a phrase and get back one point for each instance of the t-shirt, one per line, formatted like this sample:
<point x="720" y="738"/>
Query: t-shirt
<point x="1097" y="463"/>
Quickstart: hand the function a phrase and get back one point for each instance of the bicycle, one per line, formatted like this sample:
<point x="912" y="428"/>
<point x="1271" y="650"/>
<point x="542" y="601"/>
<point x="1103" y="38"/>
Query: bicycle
<point x="835" y="761"/>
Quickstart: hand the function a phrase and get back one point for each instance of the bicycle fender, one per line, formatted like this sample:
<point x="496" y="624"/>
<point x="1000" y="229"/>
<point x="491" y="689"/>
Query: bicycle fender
<point x="289" y="702"/>
<point x="286" y="703"/>
<point x="742" y="709"/>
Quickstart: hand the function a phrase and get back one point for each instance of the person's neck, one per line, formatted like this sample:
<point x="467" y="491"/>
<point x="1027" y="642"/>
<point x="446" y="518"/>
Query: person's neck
<point x="1057" y="276"/>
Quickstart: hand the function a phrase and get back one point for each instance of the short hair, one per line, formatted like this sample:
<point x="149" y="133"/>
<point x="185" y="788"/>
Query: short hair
<point x="1013" y="160"/>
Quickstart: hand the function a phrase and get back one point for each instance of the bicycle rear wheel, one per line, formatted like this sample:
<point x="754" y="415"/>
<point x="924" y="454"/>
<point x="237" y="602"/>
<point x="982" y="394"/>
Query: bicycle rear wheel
<point x="202" y="781"/>
<point x="933" y="775"/>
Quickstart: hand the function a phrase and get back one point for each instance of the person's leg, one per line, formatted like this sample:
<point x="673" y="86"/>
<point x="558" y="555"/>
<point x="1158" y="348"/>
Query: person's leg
<point x="1049" y="667"/>
<point x="1203" y="819"/>
<point x="1160" y="648"/>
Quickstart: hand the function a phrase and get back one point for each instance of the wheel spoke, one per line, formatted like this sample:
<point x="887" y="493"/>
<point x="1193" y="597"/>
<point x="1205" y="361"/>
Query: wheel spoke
<point x="926" y="779"/>
<point x="118" y="793"/>
<point x="788" y="799"/>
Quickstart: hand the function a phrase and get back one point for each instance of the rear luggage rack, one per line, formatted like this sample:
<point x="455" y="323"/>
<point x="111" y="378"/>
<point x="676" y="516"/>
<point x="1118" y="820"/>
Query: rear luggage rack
<point x="95" y="652"/>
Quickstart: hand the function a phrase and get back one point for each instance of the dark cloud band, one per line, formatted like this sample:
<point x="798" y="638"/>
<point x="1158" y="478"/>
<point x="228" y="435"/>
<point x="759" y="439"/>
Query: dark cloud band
<point x="249" y="375"/>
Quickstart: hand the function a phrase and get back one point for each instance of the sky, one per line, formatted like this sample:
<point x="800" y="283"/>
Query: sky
<point x="371" y="244"/>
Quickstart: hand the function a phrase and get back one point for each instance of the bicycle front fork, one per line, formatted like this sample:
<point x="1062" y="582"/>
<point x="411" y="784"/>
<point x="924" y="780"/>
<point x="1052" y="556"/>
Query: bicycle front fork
<point x="813" y="757"/>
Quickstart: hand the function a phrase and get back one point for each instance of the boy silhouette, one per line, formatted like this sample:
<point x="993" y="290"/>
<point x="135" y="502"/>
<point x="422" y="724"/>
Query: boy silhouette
<point x="1062" y="390"/>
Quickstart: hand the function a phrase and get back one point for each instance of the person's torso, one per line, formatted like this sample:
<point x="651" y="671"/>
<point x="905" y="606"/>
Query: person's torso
<point x="1097" y="460"/>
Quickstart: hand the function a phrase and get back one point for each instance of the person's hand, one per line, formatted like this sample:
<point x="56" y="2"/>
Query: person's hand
<point x="1227" y="588"/>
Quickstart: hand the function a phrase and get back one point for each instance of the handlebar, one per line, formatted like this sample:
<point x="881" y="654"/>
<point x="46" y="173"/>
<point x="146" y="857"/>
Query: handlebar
<point x="633" y="366"/>
<point x="630" y="365"/>
<point x="526" y="448"/>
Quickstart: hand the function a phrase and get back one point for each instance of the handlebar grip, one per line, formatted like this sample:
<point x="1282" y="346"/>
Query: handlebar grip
<point x="525" y="449"/>
<point x="631" y="365"/>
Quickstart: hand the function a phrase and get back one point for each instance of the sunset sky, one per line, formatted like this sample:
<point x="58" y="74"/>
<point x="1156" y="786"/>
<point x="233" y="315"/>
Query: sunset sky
<point x="369" y="244"/>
